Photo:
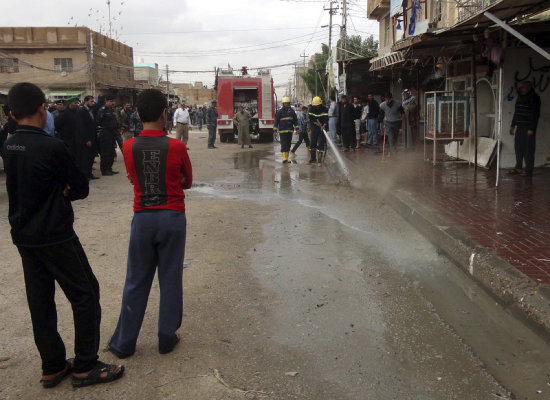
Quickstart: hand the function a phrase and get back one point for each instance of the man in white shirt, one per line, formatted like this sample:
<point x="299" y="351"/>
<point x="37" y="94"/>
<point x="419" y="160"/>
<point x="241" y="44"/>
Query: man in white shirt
<point x="181" y="123"/>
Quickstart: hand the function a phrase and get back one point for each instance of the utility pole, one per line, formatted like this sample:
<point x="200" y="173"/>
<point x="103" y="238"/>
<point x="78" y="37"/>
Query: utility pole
<point x="304" y="56"/>
<point x="331" y="11"/>
<point x="110" y="22"/>
<point x="343" y="31"/>
<point x="167" y="86"/>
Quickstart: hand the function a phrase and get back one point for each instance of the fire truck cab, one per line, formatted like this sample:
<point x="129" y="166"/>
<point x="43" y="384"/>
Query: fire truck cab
<point x="255" y="94"/>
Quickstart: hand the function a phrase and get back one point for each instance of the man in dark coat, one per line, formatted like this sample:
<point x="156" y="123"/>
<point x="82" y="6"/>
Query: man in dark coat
<point x="66" y="124"/>
<point x="86" y="137"/>
<point x="524" y="126"/>
<point x="107" y="124"/>
<point x="346" y="124"/>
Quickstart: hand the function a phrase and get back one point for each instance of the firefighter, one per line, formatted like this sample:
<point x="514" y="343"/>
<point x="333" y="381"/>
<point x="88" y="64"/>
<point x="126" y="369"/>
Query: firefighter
<point x="318" y="118"/>
<point x="286" y="122"/>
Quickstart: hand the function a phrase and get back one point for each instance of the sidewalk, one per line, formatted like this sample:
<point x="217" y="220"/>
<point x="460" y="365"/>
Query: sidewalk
<point x="501" y="237"/>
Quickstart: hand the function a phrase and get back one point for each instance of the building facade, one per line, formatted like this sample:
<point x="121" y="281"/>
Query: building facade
<point x="65" y="61"/>
<point x="475" y="50"/>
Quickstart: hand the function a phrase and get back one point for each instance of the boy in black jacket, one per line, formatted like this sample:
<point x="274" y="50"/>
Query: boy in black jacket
<point x="42" y="180"/>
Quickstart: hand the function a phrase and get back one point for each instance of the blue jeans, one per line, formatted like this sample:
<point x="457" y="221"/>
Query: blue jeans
<point x="157" y="238"/>
<point x="332" y="128"/>
<point x="372" y="127"/>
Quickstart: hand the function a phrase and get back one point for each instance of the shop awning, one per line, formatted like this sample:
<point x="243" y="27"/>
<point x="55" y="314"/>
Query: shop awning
<point x="387" y="60"/>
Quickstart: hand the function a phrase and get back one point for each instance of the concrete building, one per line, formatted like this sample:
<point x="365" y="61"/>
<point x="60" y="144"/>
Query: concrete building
<point x="146" y="75"/>
<point x="193" y="94"/>
<point x="303" y="95"/>
<point x="65" y="61"/>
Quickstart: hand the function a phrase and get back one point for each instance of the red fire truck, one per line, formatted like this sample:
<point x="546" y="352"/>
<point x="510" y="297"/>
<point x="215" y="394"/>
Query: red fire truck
<point x="255" y="94"/>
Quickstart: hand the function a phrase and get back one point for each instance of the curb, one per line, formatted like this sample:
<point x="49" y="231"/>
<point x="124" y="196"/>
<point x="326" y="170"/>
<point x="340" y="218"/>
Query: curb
<point x="517" y="293"/>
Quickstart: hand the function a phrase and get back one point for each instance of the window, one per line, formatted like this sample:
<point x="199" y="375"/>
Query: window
<point x="9" y="65"/>
<point x="128" y="75"/>
<point x="118" y="72"/>
<point x="63" y="64"/>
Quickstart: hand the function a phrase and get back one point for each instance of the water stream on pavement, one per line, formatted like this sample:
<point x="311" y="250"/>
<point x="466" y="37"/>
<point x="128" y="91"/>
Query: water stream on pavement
<point x="338" y="156"/>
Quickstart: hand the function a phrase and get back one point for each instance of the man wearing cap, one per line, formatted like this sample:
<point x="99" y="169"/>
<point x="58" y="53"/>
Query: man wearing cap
<point x="211" y="123"/>
<point x="108" y="126"/>
<point x="66" y="124"/>
<point x="410" y="106"/>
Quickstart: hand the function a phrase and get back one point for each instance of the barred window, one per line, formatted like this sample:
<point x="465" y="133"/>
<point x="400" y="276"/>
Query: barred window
<point x="118" y="72"/>
<point x="9" y="65"/>
<point x="63" y="64"/>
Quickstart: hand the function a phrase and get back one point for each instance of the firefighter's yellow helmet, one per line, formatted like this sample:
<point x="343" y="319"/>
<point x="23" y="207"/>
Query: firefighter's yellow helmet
<point x="285" y="100"/>
<point x="316" y="101"/>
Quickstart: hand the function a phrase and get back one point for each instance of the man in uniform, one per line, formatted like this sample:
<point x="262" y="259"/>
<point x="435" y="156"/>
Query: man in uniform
<point x="108" y="125"/>
<point x="66" y="125"/>
<point x="318" y="119"/>
<point x="212" y="123"/>
<point x="86" y="137"/>
<point x="286" y="122"/>
<point x="242" y="120"/>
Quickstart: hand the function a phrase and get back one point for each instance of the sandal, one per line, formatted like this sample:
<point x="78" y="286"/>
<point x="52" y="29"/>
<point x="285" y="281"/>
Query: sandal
<point x="95" y="375"/>
<point x="56" y="380"/>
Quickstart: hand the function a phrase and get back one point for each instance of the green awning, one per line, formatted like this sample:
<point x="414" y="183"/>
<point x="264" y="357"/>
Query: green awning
<point x="63" y="93"/>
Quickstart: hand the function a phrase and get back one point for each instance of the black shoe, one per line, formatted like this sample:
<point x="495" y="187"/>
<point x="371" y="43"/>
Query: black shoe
<point x="91" y="177"/>
<point x="250" y="146"/>
<point x="212" y="147"/>
<point x="107" y="173"/>
<point x="242" y="146"/>
<point x="113" y="172"/>
<point x="118" y="353"/>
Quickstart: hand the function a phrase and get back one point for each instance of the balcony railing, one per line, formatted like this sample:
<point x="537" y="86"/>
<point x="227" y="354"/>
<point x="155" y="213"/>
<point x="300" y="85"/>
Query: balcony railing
<point x="467" y="8"/>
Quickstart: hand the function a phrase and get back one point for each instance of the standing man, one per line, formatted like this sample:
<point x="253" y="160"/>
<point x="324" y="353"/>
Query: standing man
<point x="286" y="122"/>
<point x="318" y="118"/>
<point x="372" y="120"/>
<point x="410" y="106"/>
<point x="242" y="119"/>
<point x="157" y="236"/>
<point x="181" y="123"/>
<point x="107" y="124"/>
<point x="524" y="123"/>
<point x="125" y="115"/>
<point x="332" y="118"/>
<point x="200" y="117"/>
<point x="212" y="123"/>
<point x="66" y="124"/>
<point x="42" y="180"/>
<point x="393" y="120"/>
<point x="136" y="125"/>
<point x="304" y="127"/>
<point x="357" y="120"/>
<point x="346" y="124"/>
<point x="86" y="137"/>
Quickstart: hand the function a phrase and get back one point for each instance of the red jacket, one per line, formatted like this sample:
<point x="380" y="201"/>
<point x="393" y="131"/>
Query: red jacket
<point x="159" y="168"/>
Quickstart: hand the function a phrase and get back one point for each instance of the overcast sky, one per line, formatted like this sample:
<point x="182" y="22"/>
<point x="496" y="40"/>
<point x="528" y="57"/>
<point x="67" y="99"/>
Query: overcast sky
<point x="195" y="35"/>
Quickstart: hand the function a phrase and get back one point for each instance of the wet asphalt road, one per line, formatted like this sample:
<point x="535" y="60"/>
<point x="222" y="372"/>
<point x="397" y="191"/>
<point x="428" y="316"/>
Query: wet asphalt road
<point x="300" y="285"/>
<point x="385" y="315"/>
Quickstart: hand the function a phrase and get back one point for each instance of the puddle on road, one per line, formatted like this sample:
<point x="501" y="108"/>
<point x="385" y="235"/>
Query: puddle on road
<point x="376" y="259"/>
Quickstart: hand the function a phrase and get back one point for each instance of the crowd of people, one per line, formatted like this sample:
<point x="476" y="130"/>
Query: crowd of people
<point x="350" y="124"/>
<point x="44" y="175"/>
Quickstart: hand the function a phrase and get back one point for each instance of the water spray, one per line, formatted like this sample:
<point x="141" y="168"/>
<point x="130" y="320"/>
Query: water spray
<point x="338" y="156"/>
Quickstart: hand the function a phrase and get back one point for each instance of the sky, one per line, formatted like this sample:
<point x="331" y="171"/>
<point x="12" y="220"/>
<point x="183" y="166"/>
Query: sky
<point x="191" y="35"/>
